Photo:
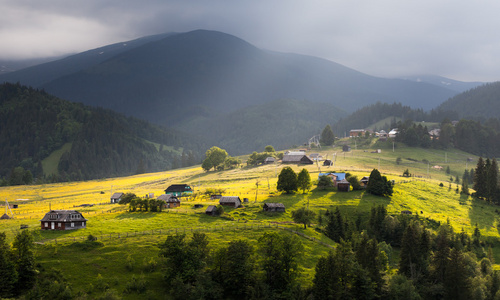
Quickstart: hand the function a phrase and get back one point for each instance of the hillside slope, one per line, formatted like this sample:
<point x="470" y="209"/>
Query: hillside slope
<point x="33" y="124"/>
<point x="482" y="102"/>
<point x="165" y="79"/>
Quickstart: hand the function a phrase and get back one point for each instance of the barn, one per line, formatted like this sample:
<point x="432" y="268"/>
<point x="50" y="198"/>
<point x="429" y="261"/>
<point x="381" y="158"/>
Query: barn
<point x="234" y="201"/>
<point x="274" y="207"/>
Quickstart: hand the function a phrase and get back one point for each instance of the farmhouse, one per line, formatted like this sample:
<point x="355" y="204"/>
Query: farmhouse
<point x="179" y="190"/>
<point x="297" y="158"/>
<point x="230" y="201"/>
<point x="274" y="207"/>
<point x="336" y="177"/>
<point x="393" y="133"/>
<point x="63" y="220"/>
<point x="356" y="132"/>
<point x="172" y="202"/>
<point x="116" y="197"/>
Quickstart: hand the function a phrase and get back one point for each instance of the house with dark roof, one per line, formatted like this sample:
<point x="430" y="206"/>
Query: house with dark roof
<point x="234" y="201"/>
<point x="327" y="163"/>
<point x="63" y="220"/>
<point x="343" y="185"/>
<point x="269" y="160"/>
<point x="274" y="207"/>
<point x="116" y="197"/>
<point x="297" y="158"/>
<point x="179" y="190"/>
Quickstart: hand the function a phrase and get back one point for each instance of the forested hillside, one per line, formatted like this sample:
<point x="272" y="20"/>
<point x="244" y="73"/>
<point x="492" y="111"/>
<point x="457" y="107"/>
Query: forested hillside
<point x="33" y="124"/>
<point x="479" y="103"/>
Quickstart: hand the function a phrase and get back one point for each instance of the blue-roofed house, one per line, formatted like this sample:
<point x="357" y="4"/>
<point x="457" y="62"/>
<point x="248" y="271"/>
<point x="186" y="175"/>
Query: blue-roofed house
<point x="336" y="177"/>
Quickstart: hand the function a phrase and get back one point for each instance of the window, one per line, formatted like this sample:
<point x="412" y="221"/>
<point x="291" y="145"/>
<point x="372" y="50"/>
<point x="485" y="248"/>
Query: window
<point x="46" y="224"/>
<point x="83" y="224"/>
<point x="72" y="224"/>
<point x="58" y="224"/>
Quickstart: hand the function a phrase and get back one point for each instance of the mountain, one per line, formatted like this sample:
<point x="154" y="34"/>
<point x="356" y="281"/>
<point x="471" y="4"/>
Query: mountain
<point x="93" y="142"/>
<point x="482" y="102"/>
<point x="166" y="77"/>
<point x="455" y="85"/>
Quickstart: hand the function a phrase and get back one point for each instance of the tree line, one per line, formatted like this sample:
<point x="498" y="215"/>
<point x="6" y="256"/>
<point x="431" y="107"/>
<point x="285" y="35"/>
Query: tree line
<point x="33" y="124"/>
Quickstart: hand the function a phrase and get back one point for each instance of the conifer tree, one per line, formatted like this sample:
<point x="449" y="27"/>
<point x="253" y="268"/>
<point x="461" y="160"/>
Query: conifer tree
<point x="8" y="273"/>
<point x="22" y="249"/>
<point x="480" y="178"/>
<point x="327" y="137"/>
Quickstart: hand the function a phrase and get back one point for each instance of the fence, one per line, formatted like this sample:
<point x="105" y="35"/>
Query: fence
<point x="159" y="232"/>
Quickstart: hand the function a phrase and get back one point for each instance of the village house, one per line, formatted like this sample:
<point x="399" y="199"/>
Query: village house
<point x="179" y="190"/>
<point x="316" y="156"/>
<point x="382" y="135"/>
<point x="269" y="160"/>
<point x="356" y="133"/>
<point x="336" y="177"/>
<point x="63" y="220"/>
<point x="297" y="158"/>
<point x="116" y="197"/>
<point x="343" y="185"/>
<point x="364" y="181"/>
<point x="234" y="201"/>
<point x="393" y="133"/>
<point x="274" y="207"/>
<point x="172" y="202"/>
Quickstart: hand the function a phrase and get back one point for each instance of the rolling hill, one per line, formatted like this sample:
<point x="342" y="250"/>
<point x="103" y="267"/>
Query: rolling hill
<point x="95" y="143"/>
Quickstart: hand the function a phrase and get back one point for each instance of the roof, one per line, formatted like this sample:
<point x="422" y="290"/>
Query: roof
<point x="164" y="197"/>
<point x="276" y="205"/>
<point x="340" y="176"/>
<point x="4" y="217"/>
<point x="229" y="199"/>
<point x="62" y="216"/>
<point x="173" y="200"/>
<point x="178" y="188"/>
<point x="211" y="208"/>
<point x="343" y="181"/>
<point x="270" y="158"/>
<point x="117" y="196"/>
<point x="294" y="158"/>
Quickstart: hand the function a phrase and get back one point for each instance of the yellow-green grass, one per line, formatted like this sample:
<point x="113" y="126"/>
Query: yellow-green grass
<point x="81" y="267"/>
<point x="421" y="195"/>
<point x="50" y="163"/>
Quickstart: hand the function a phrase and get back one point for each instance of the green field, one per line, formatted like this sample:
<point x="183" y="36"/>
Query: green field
<point x="137" y="234"/>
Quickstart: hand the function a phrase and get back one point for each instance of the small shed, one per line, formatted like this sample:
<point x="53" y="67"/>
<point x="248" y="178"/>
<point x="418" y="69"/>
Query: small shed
<point x="343" y="185"/>
<point x="116" y="197"/>
<point x="234" y="201"/>
<point x="274" y="207"/>
<point x="328" y="163"/>
<point x="269" y="160"/>
<point x="346" y="148"/>
<point x="211" y="210"/>
<point x="63" y="220"/>
<point x="5" y="217"/>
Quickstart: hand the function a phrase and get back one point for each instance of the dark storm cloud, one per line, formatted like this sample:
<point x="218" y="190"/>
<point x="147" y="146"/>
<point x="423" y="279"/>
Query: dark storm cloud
<point x="383" y="38"/>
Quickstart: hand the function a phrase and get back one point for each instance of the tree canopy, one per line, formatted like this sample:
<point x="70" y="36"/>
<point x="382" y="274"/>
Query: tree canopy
<point x="287" y="180"/>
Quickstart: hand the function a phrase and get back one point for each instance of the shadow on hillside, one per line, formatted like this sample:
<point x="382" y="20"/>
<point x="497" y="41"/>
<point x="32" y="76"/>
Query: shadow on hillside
<point x="197" y="177"/>
<point x="137" y="215"/>
<point x="483" y="214"/>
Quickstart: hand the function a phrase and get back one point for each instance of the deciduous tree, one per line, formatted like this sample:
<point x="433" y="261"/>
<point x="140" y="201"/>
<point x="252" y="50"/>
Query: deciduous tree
<point x="287" y="180"/>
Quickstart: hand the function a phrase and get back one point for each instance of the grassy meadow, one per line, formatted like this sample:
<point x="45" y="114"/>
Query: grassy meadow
<point x="133" y="236"/>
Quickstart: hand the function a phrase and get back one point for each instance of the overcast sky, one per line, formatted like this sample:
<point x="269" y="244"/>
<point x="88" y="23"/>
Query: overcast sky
<point x="388" y="38"/>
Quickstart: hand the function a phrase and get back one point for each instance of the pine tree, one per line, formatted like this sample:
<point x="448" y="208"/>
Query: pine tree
<point x="480" y="178"/>
<point x="491" y="179"/>
<point x="22" y="248"/>
<point x="327" y="137"/>
<point x="8" y="273"/>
